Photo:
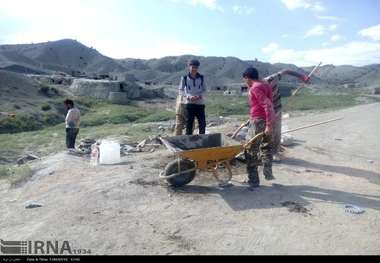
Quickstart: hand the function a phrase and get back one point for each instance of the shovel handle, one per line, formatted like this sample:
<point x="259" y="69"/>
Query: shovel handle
<point x="240" y="128"/>
<point x="253" y="140"/>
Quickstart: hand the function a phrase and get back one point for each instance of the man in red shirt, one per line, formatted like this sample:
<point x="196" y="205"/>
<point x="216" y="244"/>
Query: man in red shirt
<point x="262" y="119"/>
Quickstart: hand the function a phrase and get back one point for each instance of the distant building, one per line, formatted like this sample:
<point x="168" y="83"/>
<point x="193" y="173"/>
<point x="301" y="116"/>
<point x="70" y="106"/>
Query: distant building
<point x="230" y="93"/>
<point x="349" y="85"/>
<point x="244" y="89"/>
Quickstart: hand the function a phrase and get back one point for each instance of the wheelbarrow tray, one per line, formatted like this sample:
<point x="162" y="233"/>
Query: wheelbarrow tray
<point x="199" y="152"/>
<point x="214" y="155"/>
<point x="202" y="149"/>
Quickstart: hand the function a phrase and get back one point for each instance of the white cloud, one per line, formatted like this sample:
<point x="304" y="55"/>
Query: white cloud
<point x="319" y="30"/>
<point x="329" y="18"/>
<point x="332" y="27"/>
<point x="53" y="9"/>
<point x="336" y="38"/>
<point x="210" y="4"/>
<point x="305" y="4"/>
<point x="243" y="10"/>
<point x="316" y="31"/>
<point x="352" y="53"/>
<point x="270" y="48"/>
<point x="371" y="32"/>
<point x="325" y="44"/>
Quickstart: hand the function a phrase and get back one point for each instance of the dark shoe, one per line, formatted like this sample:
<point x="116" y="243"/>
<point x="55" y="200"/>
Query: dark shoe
<point x="253" y="187"/>
<point x="253" y="177"/>
<point x="268" y="173"/>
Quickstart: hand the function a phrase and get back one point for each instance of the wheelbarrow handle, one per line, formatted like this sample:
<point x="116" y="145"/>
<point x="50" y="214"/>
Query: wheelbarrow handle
<point x="253" y="140"/>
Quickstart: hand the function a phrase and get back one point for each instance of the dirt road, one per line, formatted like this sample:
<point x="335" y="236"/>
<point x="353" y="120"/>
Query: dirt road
<point x="123" y="209"/>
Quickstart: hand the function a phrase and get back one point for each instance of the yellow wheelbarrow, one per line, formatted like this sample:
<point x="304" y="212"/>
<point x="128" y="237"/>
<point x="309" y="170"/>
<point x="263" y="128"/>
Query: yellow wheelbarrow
<point x="204" y="153"/>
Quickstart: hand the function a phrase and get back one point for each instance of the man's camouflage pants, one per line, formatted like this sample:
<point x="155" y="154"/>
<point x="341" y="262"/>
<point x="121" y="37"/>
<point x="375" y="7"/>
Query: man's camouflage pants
<point x="259" y="152"/>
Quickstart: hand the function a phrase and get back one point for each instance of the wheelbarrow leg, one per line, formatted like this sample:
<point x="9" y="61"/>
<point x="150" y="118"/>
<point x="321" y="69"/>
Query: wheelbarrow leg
<point x="223" y="183"/>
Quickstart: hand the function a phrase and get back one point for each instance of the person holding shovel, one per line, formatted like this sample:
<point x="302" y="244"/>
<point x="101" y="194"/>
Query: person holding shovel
<point x="273" y="81"/>
<point x="262" y="117"/>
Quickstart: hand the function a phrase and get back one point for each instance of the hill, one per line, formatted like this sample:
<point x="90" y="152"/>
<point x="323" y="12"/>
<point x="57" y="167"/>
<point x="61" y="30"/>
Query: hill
<point x="66" y="55"/>
<point x="73" y="58"/>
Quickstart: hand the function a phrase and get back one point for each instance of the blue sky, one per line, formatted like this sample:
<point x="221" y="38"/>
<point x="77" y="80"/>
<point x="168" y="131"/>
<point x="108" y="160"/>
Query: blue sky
<point x="302" y="32"/>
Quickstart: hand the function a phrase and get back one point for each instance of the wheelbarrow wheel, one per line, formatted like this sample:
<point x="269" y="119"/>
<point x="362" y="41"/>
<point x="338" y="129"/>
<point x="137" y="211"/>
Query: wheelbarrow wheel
<point x="183" y="178"/>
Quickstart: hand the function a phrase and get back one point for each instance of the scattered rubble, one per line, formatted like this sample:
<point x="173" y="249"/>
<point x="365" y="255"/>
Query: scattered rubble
<point x="287" y="140"/>
<point x="353" y="209"/>
<point x="144" y="183"/>
<point x="242" y="135"/>
<point x="33" y="205"/>
<point x="296" y="208"/>
<point x="147" y="145"/>
<point x="86" y="144"/>
<point x="27" y="158"/>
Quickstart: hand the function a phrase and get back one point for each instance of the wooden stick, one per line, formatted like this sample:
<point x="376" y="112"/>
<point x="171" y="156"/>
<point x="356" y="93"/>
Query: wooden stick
<point x="240" y="128"/>
<point x="312" y="125"/>
<point x="315" y="69"/>
<point x="310" y="75"/>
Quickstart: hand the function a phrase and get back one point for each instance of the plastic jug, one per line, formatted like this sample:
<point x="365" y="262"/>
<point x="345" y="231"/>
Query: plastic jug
<point x="95" y="154"/>
<point x="109" y="153"/>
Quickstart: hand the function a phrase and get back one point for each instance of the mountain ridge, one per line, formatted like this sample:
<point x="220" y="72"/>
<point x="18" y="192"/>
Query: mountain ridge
<point x="74" y="58"/>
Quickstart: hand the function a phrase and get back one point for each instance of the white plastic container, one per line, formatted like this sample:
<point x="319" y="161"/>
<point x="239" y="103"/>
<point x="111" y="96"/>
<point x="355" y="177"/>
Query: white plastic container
<point x="109" y="153"/>
<point x="95" y="154"/>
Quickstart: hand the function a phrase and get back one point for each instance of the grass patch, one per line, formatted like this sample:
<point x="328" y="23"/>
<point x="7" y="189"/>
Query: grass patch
<point x="221" y="105"/>
<point x="15" y="174"/>
<point x="26" y="122"/>
<point x="155" y="116"/>
<point x="5" y="171"/>
<point x="19" y="123"/>
<point x="238" y="105"/>
<point x="319" y="102"/>
<point x="104" y="113"/>
<point x="52" y="140"/>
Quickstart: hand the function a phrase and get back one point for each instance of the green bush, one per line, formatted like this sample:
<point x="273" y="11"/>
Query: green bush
<point x="51" y="119"/>
<point x="44" y="90"/>
<point x="46" y="107"/>
<point x="19" y="123"/>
